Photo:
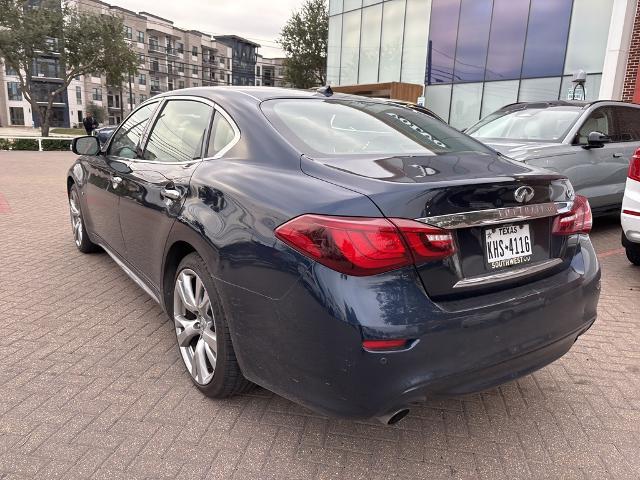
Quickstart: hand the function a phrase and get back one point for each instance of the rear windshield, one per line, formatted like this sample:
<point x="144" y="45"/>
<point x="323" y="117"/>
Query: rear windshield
<point x="539" y="124"/>
<point x="330" y="128"/>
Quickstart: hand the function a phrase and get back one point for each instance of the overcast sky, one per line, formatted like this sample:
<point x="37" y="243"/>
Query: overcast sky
<point x="257" y="20"/>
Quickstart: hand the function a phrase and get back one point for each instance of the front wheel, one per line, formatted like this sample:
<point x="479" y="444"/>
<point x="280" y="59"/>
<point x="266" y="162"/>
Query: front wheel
<point x="202" y="332"/>
<point x="633" y="252"/>
<point x="80" y="236"/>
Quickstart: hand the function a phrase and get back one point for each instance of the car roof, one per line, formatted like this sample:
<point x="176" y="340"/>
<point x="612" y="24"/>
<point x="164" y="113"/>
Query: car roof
<point x="559" y="103"/>
<point x="260" y="94"/>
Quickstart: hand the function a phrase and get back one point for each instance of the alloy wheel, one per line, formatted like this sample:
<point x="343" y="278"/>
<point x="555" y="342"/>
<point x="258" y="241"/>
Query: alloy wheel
<point x="195" y="326"/>
<point x="76" y="217"/>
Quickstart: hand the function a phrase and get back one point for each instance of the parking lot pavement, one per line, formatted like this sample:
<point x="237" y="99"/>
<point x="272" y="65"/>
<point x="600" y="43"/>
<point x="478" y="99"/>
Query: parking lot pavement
<point x="91" y="384"/>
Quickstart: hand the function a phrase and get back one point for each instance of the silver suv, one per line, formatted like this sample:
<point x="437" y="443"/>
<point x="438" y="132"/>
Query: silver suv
<point x="590" y="143"/>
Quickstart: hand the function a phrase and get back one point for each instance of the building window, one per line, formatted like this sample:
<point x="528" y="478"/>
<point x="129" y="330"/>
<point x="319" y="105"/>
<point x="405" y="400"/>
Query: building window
<point x="180" y="67"/>
<point x="194" y="69"/>
<point x="10" y="70"/>
<point x="16" y="115"/>
<point x="141" y="58"/>
<point x="155" y="66"/>
<point x="351" y="43"/>
<point x="195" y="84"/>
<point x="258" y="70"/>
<point x="128" y="33"/>
<point x="180" y="47"/>
<point x="13" y="90"/>
<point x="97" y="94"/>
<point x="78" y="95"/>
<point x="142" y="79"/>
<point x="181" y="84"/>
<point x="143" y="97"/>
<point x="194" y="51"/>
<point x="153" y="43"/>
<point x="140" y="37"/>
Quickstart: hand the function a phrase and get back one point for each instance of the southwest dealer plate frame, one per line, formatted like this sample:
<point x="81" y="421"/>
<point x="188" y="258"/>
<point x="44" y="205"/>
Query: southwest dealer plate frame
<point x="513" y="232"/>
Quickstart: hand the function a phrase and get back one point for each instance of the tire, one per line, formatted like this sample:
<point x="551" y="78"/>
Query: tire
<point x="80" y="236"/>
<point x="633" y="253"/>
<point x="202" y="332"/>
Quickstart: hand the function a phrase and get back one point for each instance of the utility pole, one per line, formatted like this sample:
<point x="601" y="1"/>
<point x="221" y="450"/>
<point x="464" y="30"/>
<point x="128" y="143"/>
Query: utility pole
<point x="130" y="95"/>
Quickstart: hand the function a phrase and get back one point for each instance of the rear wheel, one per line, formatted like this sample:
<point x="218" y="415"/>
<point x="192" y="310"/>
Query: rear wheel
<point x="633" y="252"/>
<point x="80" y="236"/>
<point x="202" y="333"/>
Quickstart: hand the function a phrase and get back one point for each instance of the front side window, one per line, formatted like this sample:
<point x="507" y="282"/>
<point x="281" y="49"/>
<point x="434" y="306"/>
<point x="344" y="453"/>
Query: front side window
<point x="222" y="134"/>
<point x="600" y="120"/>
<point x="179" y="132"/>
<point x="126" y="139"/>
<point x="529" y="124"/>
<point x="351" y="127"/>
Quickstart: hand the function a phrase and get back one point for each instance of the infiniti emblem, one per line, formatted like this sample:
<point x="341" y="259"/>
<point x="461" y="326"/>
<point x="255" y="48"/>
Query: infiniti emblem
<point x="523" y="194"/>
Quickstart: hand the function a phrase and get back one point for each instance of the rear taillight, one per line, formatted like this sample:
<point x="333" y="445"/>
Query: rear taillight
<point x="365" y="246"/>
<point x="577" y="220"/>
<point x="382" y="345"/>
<point x="634" y="166"/>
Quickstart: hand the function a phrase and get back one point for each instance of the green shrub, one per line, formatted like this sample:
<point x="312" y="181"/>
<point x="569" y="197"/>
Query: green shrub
<point x="5" y="143"/>
<point x="48" y="145"/>
<point x="25" y="144"/>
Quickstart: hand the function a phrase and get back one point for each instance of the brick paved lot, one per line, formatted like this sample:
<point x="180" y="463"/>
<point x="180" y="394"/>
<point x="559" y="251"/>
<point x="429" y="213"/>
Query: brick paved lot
<point x="91" y="384"/>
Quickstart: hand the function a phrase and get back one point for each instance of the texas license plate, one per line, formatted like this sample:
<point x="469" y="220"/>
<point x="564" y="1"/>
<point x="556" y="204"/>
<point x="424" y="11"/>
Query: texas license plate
<point x="508" y="245"/>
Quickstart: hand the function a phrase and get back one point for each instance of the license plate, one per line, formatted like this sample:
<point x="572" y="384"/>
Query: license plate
<point x="508" y="245"/>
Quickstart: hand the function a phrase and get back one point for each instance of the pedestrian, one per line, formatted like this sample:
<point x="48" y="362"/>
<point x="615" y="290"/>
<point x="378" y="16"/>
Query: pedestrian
<point x="90" y="123"/>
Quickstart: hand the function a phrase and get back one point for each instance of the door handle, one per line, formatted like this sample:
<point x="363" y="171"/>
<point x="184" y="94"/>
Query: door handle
<point x="618" y="155"/>
<point x="170" y="193"/>
<point x="115" y="181"/>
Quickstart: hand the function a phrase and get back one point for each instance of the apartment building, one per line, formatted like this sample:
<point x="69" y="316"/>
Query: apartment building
<point x="270" y="72"/>
<point x="170" y="58"/>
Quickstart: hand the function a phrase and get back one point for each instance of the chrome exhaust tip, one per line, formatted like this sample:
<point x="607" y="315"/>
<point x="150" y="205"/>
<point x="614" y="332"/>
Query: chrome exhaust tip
<point x="393" y="417"/>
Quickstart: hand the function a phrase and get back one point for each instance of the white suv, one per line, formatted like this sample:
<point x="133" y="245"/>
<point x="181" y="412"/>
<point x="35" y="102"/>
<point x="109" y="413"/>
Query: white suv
<point x="631" y="211"/>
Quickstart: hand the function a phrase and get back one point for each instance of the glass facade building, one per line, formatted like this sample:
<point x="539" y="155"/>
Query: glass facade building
<point x="473" y="56"/>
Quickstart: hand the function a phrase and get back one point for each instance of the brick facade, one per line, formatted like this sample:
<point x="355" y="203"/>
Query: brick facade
<point x="631" y="89"/>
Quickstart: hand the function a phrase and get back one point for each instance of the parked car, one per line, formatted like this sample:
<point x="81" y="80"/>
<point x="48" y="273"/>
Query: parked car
<point x="590" y="143"/>
<point x="631" y="211"/>
<point x="348" y="254"/>
<point x="103" y="134"/>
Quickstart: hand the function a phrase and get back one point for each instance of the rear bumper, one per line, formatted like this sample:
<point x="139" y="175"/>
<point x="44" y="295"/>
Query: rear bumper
<point x="308" y="347"/>
<point x="631" y="223"/>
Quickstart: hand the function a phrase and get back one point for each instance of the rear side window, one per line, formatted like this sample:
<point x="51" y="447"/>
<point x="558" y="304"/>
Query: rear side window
<point x="222" y="134"/>
<point x="179" y="131"/>
<point x="628" y="122"/>
<point x="126" y="139"/>
<point x="352" y="127"/>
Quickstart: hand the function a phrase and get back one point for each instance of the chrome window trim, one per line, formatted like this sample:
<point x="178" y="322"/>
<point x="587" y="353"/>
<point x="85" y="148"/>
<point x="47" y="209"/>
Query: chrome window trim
<point x="496" y="216"/>
<point x="493" y="278"/>
<point x="232" y="143"/>
<point x="217" y="109"/>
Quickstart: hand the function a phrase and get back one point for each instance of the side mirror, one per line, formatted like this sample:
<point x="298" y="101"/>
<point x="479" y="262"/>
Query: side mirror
<point x="596" y="140"/>
<point x="85" y="146"/>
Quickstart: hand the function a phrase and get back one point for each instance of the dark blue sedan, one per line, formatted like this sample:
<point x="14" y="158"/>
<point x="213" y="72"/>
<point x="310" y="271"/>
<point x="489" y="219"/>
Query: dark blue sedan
<point x="350" y="254"/>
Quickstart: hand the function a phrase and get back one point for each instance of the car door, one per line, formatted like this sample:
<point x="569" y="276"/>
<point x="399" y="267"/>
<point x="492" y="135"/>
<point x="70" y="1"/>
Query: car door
<point x="155" y="186"/>
<point x="600" y="173"/>
<point x="103" y="187"/>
